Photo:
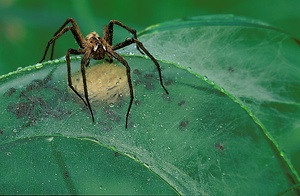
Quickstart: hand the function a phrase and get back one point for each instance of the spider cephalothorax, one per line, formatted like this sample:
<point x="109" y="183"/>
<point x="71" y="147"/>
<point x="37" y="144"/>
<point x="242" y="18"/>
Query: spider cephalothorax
<point x="96" y="47"/>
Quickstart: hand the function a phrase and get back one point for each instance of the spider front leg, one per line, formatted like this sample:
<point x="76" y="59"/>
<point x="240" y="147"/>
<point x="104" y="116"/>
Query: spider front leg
<point x="84" y="63"/>
<point x="62" y="30"/>
<point x="109" y="29"/>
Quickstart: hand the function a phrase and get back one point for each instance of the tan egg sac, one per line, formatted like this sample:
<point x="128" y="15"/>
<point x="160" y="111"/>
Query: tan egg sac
<point x="105" y="82"/>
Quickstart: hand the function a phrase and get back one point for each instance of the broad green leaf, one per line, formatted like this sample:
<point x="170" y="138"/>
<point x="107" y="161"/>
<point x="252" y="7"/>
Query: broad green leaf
<point x="225" y="128"/>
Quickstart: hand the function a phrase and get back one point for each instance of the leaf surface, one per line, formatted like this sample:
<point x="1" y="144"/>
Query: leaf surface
<point x="228" y="126"/>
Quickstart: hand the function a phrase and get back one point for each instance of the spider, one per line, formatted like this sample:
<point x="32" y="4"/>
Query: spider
<point x="96" y="47"/>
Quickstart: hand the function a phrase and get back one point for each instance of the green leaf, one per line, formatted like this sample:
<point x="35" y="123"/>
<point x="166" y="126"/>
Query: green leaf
<point x="223" y="129"/>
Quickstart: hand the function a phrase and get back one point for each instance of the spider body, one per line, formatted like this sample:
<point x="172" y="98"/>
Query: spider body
<point x="96" y="47"/>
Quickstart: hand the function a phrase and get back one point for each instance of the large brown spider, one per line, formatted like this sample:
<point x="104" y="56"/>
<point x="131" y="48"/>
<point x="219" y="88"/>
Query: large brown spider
<point x="96" y="47"/>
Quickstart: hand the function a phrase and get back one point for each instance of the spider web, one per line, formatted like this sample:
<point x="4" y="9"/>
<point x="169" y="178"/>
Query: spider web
<point x="255" y="66"/>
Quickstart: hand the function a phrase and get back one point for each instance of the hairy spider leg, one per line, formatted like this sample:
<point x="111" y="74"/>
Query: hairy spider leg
<point x="124" y="62"/>
<point x="62" y="30"/>
<point x="131" y="41"/>
<point x="84" y="63"/>
<point x="108" y="32"/>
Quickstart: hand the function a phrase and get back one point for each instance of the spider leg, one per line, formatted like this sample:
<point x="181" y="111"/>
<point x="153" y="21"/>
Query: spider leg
<point x="84" y="63"/>
<point x="141" y="46"/>
<point x="62" y="30"/>
<point x="124" y="62"/>
<point x="108" y="32"/>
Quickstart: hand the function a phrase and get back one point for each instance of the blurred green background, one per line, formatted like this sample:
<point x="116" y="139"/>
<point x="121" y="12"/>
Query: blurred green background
<point x="27" y="25"/>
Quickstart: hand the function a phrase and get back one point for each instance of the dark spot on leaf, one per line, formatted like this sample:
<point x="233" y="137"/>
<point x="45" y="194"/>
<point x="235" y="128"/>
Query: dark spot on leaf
<point x="137" y="82"/>
<point x="166" y="97"/>
<point x="111" y="114"/>
<point x="183" y="124"/>
<point x="47" y="79"/>
<point x="105" y="126"/>
<point x="168" y="82"/>
<point x="66" y="174"/>
<point x="121" y="100"/>
<point x="21" y="109"/>
<point x="148" y="80"/>
<point x="149" y="76"/>
<point x="149" y="86"/>
<point x="230" y="69"/>
<point x="117" y="154"/>
<point x="22" y="94"/>
<point x="32" y="106"/>
<point x="145" y="81"/>
<point x="10" y="92"/>
<point x="35" y="85"/>
<point x="137" y="102"/>
<point x="181" y="103"/>
<point x="220" y="146"/>
<point x="1" y="132"/>
<point x="137" y="72"/>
